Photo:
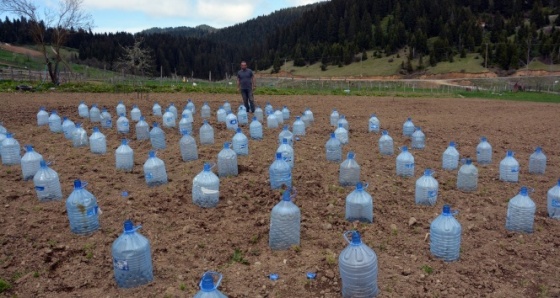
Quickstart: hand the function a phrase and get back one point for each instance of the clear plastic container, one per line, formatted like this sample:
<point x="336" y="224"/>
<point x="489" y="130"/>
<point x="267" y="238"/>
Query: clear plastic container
<point x="154" y="170"/>
<point x="285" y="224"/>
<point x="426" y="189"/>
<point x="357" y="265"/>
<point x="341" y="134"/>
<point x="373" y="124"/>
<point x="206" y="134"/>
<point x="187" y="145"/>
<point x="209" y="288"/>
<point x="256" y="129"/>
<point x="359" y="205"/>
<point x="408" y="127"/>
<point x="30" y="163"/>
<point x="47" y="183"/>
<point x="509" y="168"/>
<point x="206" y="188"/>
<point x="537" y="162"/>
<point x="405" y="163"/>
<point x="386" y="144"/>
<point x="280" y="173"/>
<point x="334" y="149"/>
<point x="467" y="177"/>
<point x="484" y="152"/>
<point x="520" y="215"/>
<point x="124" y="157"/>
<point x="132" y="258"/>
<point x="240" y="143"/>
<point x="82" y="210"/>
<point x="227" y="162"/>
<point x="97" y="142"/>
<point x="157" y="137"/>
<point x="445" y="236"/>
<point x="450" y="159"/>
<point x="349" y="173"/>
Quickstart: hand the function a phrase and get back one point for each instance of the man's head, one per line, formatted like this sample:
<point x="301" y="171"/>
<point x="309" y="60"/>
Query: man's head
<point x="243" y="65"/>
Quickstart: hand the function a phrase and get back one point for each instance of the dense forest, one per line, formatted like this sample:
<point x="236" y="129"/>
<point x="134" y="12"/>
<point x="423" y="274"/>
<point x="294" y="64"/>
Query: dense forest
<point x="506" y="33"/>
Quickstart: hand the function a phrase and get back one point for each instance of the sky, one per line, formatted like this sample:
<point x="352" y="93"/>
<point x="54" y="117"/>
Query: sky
<point x="136" y="15"/>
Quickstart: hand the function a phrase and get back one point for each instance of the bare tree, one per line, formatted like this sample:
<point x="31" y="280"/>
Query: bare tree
<point x="67" y="16"/>
<point x="136" y="59"/>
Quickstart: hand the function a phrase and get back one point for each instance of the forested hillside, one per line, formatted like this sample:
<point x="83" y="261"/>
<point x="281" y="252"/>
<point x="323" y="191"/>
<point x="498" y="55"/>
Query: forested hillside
<point x="506" y="32"/>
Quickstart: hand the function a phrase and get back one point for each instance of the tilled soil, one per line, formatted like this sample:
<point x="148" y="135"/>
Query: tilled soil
<point x="40" y="257"/>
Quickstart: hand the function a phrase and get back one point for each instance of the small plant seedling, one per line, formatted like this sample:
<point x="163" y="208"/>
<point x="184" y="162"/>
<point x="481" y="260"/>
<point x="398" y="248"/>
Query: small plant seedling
<point x="238" y="257"/>
<point x="331" y="258"/>
<point x="296" y="248"/>
<point x="427" y="269"/>
<point x="255" y="239"/>
<point x="182" y="286"/>
<point x="36" y="274"/>
<point x="4" y="286"/>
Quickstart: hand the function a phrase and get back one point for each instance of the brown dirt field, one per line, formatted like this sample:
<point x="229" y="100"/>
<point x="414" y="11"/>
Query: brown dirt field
<point x="40" y="257"/>
<point x="20" y="50"/>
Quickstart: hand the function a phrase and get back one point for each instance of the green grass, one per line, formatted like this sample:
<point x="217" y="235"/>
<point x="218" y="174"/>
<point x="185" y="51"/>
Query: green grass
<point x="468" y="64"/>
<point x="4" y="286"/>
<point x="517" y="96"/>
<point x="539" y="65"/>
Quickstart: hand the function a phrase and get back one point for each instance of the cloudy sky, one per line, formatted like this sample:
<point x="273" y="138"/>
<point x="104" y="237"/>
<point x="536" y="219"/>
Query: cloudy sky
<point x="136" y="15"/>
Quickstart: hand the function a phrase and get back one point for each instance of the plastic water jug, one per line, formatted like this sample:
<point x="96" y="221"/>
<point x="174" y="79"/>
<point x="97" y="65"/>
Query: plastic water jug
<point x="279" y="117"/>
<point x="173" y="109"/>
<point x="286" y="134"/>
<point x="55" y="123"/>
<point x="521" y="212"/>
<point x="334" y="118"/>
<point x="47" y="183"/>
<point x="132" y="258"/>
<point x="426" y="189"/>
<point x="79" y="136"/>
<point x="537" y="162"/>
<point x="342" y="120"/>
<point x="285" y="113"/>
<point x="359" y="205"/>
<point x="280" y="173"/>
<point x="418" y="139"/>
<point x="206" y="188"/>
<point x="106" y="120"/>
<point x="188" y="114"/>
<point x="206" y="134"/>
<point x="373" y="124"/>
<point x="553" y="201"/>
<point x="221" y="114"/>
<point x="231" y="121"/>
<point x="82" y="210"/>
<point x="94" y="114"/>
<point x="154" y="170"/>
<point x="227" y="162"/>
<point x="445" y="236"/>
<point x="240" y="143"/>
<point x="83" y="110"/>
<point x="2" y="138"/>
<point x="68" y="127"/>
<point x="298" y="127"/>
<point x="467" y="177"/>
<point x="10" y="151"/>
<point x="357" y="265"/>
<point x="227" y="106"/>
<point x="405" y="163"/>
<point x="191" y="106"/>
<point x="309" y="115"/>
<point x="142" y="129"/>
<point x="450" y="160"/>
<point x="268" y="108"/>
<point x="121" y="108"/>
<point x="271" y="121"/>
<point x="187" y="145"/>
<point x="205" y="111"/>
<point x="123" y="124"/>
<point x="334" y="149"/>
<point x="156" y="110"/>
<point x="209" y="288"/>
<point x="509" y="168"/>
<point x="97" y="142"/>
<point x="242" y="115"/>
<point x="157" y="137"/>
<point x="408" y="128"/>
<point x="285" y="224"/>
<point x="124" y="157"/>
<point x="185" y="124"/>
<point x="30" y="163"/>
<point x="169" y="119"/>
<point x="255" y="129"/>
<point x="259" y="114"/>
<point x="341" y="134"/>
<point x="287" y="152"/>
<point x="349" y="173"/>
<point x="484" y="152"/>
<point x="386" y="144"/>
<point x="43" y="117"/>
<point x="135" y="113"/>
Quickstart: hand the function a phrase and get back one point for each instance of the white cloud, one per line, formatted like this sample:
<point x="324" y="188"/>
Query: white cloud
<point x="161" y="8"/>
<point x="302" y="2"/>
<point x="225" y="12"/>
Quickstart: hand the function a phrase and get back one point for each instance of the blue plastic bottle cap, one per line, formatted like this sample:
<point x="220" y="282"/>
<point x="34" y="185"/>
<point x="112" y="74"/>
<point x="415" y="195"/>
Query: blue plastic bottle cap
<point x="333" y="135"/>
<point x="359" y="186"/>
<point x="124" y="142"/>
<point x="523" y="191"/>
<point x="77" y="182"/>
<point x="356" y="239"/>
<point x="152" y="154"/>
<point x="124" y="193"/>
<point x="538" y="149"/>
<point x="128" y="226"/>
<point x="278" y="155"/>
<point x="350" y="155"/>
<point x="385" y="132"/>
<point x="469" y="161"/>
<point x="226" y="145"/>
<point x="311" y="275"/>
<point x="43" y="164"/>
<point x="509" y="153"/>
<point x="207" y="167"/>
<point x="238" y="129"/>
<point x="451" y="144"/>
<point x="273" y="276"/>
<point x="286" y="195"/>
<point x="446" y="209"/>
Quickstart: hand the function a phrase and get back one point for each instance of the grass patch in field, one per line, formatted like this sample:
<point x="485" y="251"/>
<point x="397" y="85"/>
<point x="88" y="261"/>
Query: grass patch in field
<point x="469" y="64"/>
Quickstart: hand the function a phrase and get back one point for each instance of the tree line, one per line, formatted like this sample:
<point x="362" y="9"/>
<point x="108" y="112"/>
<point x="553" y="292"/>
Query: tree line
<point x="505" y="33"/>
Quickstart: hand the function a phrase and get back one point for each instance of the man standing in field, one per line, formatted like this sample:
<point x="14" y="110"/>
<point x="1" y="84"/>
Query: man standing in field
<point x="246" y="85"/>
